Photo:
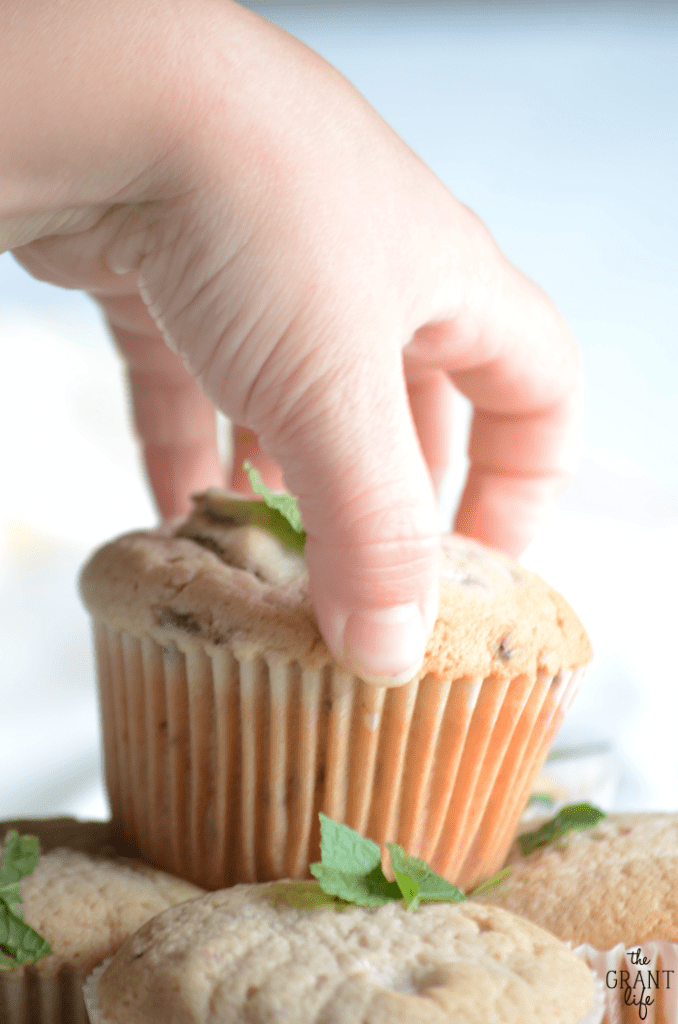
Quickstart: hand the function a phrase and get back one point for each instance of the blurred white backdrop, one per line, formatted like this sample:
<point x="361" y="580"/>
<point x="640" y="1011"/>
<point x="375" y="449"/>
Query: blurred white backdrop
<point x="557" y="124"/>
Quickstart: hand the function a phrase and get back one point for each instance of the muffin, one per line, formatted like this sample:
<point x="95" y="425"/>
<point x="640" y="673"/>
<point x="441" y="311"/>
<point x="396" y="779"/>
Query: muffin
<point x="228" y="726"/>
<point x="85" y="900"/>
<point x="614" y="883"/>
<point x="246" y="954"/>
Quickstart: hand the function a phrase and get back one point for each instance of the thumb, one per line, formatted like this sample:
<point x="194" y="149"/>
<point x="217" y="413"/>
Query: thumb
<point x="352" y="457"/>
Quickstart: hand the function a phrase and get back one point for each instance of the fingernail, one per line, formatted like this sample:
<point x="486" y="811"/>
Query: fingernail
<point x="385" y="646"/>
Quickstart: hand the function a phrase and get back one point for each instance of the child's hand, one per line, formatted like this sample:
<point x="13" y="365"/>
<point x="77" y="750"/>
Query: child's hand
<point x="219" y="187"/>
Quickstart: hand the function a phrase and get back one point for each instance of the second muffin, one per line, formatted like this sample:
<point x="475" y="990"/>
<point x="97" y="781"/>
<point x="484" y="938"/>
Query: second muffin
<point x="86" y="900"/>
<point x="245" y="955"/>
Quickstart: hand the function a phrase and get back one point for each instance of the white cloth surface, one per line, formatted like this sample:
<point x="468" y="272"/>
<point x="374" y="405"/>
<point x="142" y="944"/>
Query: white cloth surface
<point x="557" y="124"/>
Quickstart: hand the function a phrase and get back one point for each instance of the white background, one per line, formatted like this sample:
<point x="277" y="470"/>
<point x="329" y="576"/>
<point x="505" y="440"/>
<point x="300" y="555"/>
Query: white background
<point x="558" y="124"/>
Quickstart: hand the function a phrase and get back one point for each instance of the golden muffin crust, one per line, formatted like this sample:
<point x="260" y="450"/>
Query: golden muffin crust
<point x="617" y="882"/>
<point x="203" y="581"/>
<point x="241" y="955"/>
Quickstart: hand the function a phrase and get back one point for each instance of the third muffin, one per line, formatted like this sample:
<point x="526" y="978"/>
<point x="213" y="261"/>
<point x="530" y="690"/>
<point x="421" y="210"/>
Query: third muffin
<point x="614" y="883"/>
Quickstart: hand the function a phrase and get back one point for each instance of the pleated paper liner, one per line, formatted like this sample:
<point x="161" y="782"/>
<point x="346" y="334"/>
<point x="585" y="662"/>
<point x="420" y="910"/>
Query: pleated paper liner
<point x="28" y="998"/>
<point x="91" y="994"/>
<point x="216" y="768"/>
<point x="645" y="992"/>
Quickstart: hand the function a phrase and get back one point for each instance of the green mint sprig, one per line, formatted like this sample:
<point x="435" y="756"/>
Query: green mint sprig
<point x="569" y="818"/>
<point x="284" y="504"/>
<point x="490" y="883"/>
<point x="542" y="799"/>
<point x="351" y="871"/>
<point x="418" y="883"/>
<point x="276" y="513"/>
<point x="19" y="943"/>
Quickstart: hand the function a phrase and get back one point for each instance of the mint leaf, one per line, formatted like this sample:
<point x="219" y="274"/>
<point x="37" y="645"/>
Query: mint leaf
<point x="418" y="883"/>
<point x="351" y="866"/>
<point x="434" y="889"/>
<point x="20" y="857"/>
<point x="351" y="870"/>
<point x="245" y="511"/>
<point x="370" y="890"/>
<point x="303" y="895"/>
<point x="573" y="816"/>
<point x="544" y="799"/>
<point x="283" y="504"/>
<point x="409" y="888"/>
<point x="19" y="943"/>
<point x="344" y="849"/>
<point x="10" y="897"/>
<point x="491" y="882"/>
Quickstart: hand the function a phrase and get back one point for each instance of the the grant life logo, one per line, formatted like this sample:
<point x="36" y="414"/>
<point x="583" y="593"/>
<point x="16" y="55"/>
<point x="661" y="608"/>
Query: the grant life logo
<point x="637" y="986"/>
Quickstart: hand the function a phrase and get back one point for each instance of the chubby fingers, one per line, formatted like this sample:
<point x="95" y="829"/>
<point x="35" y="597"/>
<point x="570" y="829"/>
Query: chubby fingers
<point x="431" y="397"/>
<point x="346" y="438"/>
<point x="511" y="353"/>
<point x="519" y="466"/>
<point x="175" y="422"/>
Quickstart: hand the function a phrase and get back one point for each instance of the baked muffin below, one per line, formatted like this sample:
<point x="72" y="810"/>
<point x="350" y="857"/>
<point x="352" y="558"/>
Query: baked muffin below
<point x="228" y="726"/>
<point x="85" y="899"/>
<point x="245" y="956"/>
<point x="615" y="883"/>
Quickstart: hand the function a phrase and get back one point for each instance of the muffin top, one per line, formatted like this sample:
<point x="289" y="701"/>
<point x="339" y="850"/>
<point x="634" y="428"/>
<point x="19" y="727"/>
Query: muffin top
<point x="209" y="581"/>
<point x="246" y="955"/>
<point x="83" y="897"/>
<point x="609" y="884"/>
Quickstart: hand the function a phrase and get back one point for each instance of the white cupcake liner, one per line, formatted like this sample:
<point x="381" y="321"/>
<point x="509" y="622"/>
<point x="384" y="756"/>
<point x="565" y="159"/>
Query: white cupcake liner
<point x="639" y="992"/>
<point x="597" y="1014"/>
<point x="27" y="997"/>
<point x="217" y="766"/>
<point x="90" y="992"/>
